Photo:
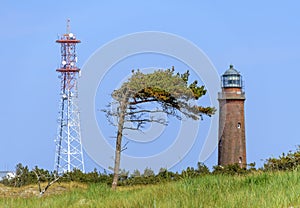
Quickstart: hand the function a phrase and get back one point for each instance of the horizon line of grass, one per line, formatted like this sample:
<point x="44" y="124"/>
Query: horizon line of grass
<point x="261" y="189"/>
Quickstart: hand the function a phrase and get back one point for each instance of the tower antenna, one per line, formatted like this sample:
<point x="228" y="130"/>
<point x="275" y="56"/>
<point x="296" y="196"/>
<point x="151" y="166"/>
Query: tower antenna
<point x="68" y="26"/>
<point x="69" y="154"/>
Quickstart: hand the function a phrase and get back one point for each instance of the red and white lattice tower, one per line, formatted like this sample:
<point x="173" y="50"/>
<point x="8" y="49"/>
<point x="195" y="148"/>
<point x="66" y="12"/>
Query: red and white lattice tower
<point x="69" y="154"/>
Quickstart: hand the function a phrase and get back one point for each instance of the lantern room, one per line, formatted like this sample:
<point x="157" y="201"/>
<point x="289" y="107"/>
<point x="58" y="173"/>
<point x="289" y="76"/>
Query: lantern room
<point x="231" y="78"/>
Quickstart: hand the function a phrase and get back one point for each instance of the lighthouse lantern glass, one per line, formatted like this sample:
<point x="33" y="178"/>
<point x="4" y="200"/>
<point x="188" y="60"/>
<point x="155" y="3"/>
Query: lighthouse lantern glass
<point x="231" y="80"/>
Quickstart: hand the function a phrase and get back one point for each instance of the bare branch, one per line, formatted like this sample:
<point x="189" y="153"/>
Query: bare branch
<point x="143" y="101"/>
<point x="131" y="128"/>
<point x="125" y="146"/>
<point x="145" y="111"/>
<point x="48" y="185"/>
<point x="162" y="121"/>
<point x="38" y="179"/>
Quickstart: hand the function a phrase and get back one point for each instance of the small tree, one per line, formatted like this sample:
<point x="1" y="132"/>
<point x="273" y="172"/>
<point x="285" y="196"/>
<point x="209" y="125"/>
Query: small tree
<point x="22" y="176"/>
<point x="169" y="91"/>
<point x="136" y="173"/>
<point x="148" y="172"/>
<point x="202" y="168"/>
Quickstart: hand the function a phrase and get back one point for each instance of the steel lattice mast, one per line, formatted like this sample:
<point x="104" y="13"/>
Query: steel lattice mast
<point x="69" y="154"/>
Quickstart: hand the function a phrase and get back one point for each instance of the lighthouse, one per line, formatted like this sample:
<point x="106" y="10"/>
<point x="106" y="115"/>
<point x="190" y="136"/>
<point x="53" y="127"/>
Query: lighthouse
<point x="232" y="140"/>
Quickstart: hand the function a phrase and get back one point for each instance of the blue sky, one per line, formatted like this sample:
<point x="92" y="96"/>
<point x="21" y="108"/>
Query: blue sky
<point x="260" y="38"/>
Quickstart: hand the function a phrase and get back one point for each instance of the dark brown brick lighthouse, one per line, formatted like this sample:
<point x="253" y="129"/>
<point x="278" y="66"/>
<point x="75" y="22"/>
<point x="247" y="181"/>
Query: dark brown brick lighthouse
<point x="232" y="141"/>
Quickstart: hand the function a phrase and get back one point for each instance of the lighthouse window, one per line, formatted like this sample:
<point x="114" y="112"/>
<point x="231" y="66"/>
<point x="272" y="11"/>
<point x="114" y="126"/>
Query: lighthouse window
<point x="239" y="125"/>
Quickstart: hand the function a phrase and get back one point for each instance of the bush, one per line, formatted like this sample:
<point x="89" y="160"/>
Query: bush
<point x="285" y="162"/>
<point x="233" y="169"/>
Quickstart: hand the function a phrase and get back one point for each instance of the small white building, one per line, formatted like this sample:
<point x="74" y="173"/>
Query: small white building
<point x="7" y="174"/>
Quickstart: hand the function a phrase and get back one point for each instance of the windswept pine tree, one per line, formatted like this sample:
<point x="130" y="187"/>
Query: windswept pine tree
<point x="169" y="91"/>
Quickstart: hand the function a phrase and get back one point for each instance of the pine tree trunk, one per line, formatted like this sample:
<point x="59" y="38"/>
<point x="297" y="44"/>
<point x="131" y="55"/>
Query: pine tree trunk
<point x="119" y="144"/>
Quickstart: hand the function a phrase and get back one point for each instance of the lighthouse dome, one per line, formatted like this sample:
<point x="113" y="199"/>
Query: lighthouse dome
<point x="231" y="78"/>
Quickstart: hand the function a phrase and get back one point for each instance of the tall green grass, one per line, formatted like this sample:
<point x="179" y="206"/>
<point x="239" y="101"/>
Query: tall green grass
<point x="279" y="189"/>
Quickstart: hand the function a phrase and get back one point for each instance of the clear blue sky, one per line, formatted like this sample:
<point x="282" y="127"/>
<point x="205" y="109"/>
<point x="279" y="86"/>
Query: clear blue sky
<point x="260" y="38"/>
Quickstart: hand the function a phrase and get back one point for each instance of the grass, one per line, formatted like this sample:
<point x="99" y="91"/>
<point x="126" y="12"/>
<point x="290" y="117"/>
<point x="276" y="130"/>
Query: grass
<point x="279" y="189"/>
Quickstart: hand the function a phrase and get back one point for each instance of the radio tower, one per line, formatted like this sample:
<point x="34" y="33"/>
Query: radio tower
<point x="68" y="155"/>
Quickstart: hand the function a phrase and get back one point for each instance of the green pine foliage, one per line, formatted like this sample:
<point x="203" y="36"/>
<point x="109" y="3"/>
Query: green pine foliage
<point x="285" y="162"/>
<point x="170" y="90"/>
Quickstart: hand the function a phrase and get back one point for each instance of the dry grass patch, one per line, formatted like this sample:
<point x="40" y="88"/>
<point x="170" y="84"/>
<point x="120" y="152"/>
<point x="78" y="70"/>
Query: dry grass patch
<point x="33" y="190"/>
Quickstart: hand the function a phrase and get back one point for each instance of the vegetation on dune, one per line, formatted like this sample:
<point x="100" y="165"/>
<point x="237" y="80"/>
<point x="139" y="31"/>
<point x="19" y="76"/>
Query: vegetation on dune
<point x="260" y="189"/>
<point x="24" y="176"/>
<point x="277" y="184"/>
<point x="288" y="161"/>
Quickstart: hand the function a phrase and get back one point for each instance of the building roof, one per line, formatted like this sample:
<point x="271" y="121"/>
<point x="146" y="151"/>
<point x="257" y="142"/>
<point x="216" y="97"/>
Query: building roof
<point x="4" y="174"/>
<point x="231" y="71"/>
